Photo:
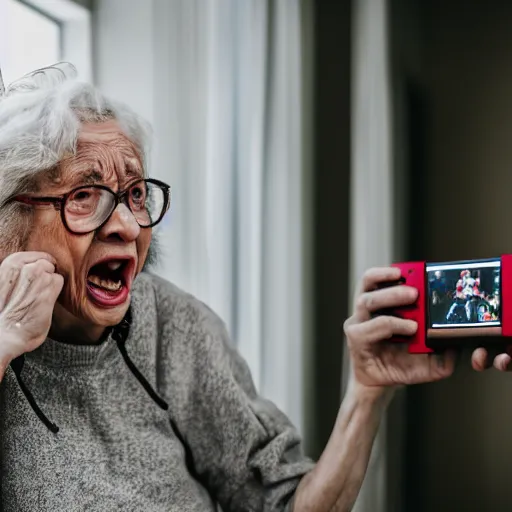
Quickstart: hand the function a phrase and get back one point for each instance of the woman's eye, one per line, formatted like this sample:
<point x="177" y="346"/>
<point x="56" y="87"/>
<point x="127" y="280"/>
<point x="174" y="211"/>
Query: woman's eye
<point x="137" y="194"/>
<point x="82" y="201"/>
<point x="81" y="196"/>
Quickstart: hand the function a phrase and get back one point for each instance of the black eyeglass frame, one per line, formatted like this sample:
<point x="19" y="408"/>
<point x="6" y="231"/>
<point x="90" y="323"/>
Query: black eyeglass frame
<point x="59" y="202"/>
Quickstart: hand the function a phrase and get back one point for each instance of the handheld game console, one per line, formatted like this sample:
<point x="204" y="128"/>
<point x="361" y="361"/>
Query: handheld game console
<point x="459" y="303"/>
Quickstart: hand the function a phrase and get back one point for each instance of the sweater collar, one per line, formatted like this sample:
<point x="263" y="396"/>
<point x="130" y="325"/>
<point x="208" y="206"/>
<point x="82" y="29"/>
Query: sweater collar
<point x="70" y="355"/>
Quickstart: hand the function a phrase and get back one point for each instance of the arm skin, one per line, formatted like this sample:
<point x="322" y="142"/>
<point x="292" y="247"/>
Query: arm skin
<point x="334" y="483"/>
<point x="4" y="363"/>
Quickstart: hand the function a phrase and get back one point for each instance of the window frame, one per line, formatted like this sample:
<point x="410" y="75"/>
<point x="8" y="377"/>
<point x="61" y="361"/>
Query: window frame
<point x="75" y="25"/>
<point x="36" y="8"/>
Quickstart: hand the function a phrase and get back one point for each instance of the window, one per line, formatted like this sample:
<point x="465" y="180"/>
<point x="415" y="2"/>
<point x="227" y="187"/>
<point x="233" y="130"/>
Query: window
<point x="38" y="33"/>
<point x="33" y="40"/>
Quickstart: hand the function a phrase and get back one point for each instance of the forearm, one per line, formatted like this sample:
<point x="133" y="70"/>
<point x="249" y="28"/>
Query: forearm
<point x="4" y="363"/>
<point x="337" y="478"/>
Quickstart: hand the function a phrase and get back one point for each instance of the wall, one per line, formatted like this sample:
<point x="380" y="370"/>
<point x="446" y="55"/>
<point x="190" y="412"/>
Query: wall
<point x="459" y="441"/>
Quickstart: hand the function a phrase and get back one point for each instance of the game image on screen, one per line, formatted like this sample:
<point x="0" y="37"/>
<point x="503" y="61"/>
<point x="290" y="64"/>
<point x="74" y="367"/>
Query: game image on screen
<point x="464" y="294"/>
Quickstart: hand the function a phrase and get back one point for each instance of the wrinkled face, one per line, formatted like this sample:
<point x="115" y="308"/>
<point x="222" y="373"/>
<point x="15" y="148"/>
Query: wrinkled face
<point x="99" y="267"/>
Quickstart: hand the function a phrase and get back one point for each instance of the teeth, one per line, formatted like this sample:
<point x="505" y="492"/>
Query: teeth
<point x="111" y="286"/>
<point x="113" y="265"/>
<point x="95" y="280"/>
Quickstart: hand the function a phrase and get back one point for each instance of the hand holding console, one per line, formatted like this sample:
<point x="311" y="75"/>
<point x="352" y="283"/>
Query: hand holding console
<point x="377" y="362"/>
<point x="396" y="304"/>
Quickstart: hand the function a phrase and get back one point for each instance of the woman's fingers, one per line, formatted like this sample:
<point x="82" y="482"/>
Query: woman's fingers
<point x="379" y="329"/>
<point x="12" y="266"/>
<point x="378" y="275"/>
<point x="385" y="298"/>
<point x="479" y="359"/>
<point x="442" y="365"/>
<point x="372" y="296"/>
<point x="56" y="285"/>
<point x="482" y="359"/>
<point x="19" y="259"/>
<point x="502" y="362"/>
<point x="29" y="287"/>
<point x="29" y="283"/>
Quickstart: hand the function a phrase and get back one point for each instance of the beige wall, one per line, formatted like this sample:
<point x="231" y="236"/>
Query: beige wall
<point x="460" y="431"/>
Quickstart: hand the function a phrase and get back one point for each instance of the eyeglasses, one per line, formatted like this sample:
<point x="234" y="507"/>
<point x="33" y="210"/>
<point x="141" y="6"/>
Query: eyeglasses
<point x="88" y="208"/>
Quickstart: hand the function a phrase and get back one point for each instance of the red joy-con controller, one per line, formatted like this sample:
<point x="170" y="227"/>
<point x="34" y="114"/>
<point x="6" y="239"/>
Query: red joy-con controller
<point x="506" y="295"/>
<point x="414" y="275"/>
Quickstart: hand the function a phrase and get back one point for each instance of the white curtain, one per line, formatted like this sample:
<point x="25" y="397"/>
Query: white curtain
<point x="224" y="90"/>
<point x="373" y="241"/>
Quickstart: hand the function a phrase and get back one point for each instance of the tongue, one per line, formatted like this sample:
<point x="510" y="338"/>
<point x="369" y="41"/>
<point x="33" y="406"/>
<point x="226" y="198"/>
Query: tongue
<point x="107" y="298"/>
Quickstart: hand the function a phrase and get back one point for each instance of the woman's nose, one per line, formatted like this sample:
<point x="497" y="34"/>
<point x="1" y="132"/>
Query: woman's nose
<point x="121" y="225"/>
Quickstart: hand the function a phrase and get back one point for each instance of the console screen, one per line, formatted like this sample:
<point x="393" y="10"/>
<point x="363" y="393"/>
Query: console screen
<point x="464" y="294"/>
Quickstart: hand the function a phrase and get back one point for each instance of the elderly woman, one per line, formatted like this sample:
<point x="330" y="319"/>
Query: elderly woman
<point x="120" y="391"/>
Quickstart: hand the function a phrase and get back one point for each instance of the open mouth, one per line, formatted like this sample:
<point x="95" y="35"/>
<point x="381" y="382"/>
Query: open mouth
<point x="109" y="281"/>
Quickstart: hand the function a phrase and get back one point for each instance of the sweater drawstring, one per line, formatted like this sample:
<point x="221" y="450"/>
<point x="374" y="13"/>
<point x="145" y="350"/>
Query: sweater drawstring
<point x="145" y="384"/>
<point x="17" y="366"/>
<point x="120" y="335"/>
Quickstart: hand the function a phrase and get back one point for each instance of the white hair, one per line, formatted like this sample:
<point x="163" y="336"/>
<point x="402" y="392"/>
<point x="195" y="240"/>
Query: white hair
<point x="40" y="118"/>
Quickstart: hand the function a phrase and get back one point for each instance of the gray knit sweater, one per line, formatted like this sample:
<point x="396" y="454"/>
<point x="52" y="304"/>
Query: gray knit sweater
<point x="218" y="442"/>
